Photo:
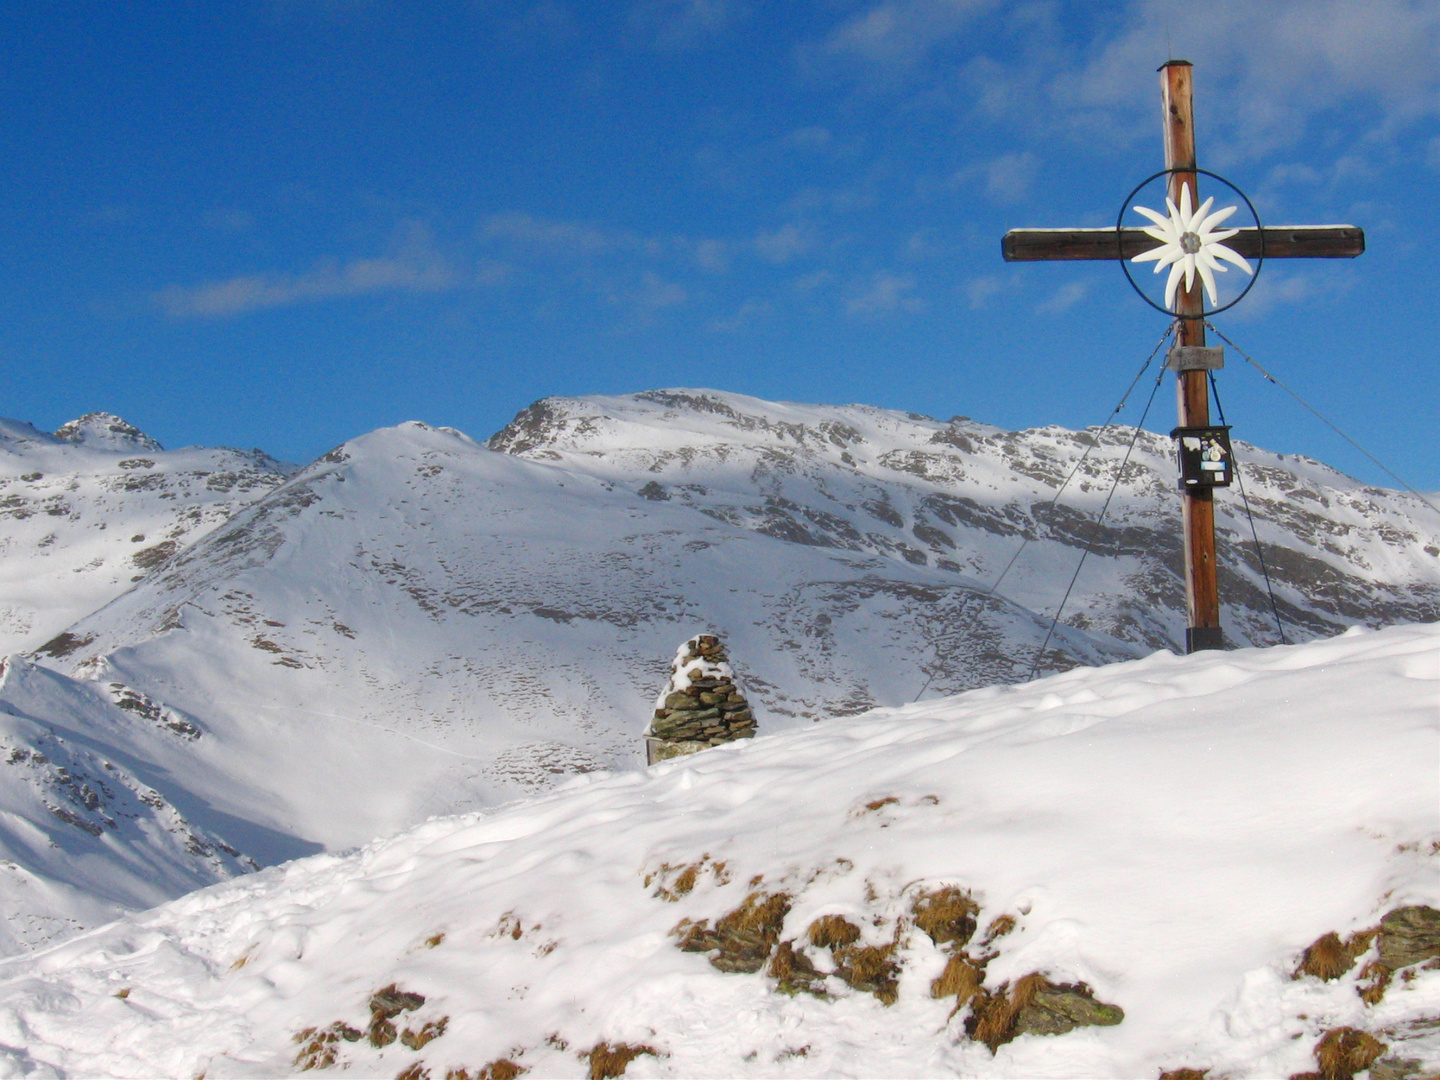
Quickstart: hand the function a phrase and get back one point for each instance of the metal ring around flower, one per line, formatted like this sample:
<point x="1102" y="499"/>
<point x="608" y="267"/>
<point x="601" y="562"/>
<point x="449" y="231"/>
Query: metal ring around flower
<point x="1119" y="248"/>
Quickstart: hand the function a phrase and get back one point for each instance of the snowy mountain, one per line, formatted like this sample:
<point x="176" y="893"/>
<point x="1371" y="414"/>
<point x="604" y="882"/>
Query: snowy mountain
<point x="417" y="624"/>
<point x="85" y="832"/>
<point x="1223" y="863"/>
<point x="86" y="512"/>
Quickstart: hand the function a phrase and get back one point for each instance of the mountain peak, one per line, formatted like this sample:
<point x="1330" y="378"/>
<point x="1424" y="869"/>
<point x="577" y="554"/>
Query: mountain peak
<point x="106" y="431"/>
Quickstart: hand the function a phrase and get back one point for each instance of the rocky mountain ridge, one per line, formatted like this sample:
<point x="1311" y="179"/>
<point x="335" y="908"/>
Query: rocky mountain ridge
<point x="416" y="623"/>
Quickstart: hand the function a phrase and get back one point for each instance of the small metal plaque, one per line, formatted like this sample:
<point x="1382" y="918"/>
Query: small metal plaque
<point x="1205" y="457"/>
<point x="1195" y="358"/>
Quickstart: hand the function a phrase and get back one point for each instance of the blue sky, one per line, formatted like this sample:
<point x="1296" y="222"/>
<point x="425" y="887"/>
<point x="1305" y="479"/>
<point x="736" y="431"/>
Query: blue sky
<point x="282" y="223"/>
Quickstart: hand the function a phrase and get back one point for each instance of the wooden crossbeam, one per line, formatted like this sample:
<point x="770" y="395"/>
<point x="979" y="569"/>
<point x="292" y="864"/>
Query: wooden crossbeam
<point x="1281" y="242"/>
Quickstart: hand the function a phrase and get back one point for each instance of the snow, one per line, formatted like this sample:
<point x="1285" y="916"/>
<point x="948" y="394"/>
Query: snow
<point x="1170" y="831"/>
<point x="449" y="626"/>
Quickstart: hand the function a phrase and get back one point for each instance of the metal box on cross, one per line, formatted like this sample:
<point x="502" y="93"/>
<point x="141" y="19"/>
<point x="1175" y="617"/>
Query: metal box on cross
<point x="1205" y="458"/>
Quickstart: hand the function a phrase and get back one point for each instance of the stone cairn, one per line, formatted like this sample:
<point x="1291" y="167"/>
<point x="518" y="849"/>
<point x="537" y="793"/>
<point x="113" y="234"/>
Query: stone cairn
<point x="701" y="705"/>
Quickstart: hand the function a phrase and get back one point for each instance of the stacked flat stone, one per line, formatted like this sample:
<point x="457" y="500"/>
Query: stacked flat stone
<point x="701" y="706"/>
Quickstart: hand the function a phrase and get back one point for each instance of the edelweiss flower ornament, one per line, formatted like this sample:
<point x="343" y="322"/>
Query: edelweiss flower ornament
<point x="1189" y="243"/>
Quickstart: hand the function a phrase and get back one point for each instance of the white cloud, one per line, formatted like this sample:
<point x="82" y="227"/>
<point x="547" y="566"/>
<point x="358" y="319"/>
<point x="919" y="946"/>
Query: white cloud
<point x="1269" y="68"/>
<point x="1006" y="178"/>
<point x="885" y="294"/>
<point x="683" y="24"/>
<point x="979" y="291"/>
<point x="564" y="237"/>
<point x="901" y="33"/>
<point x="785" y="243"/>
<point x="412" y="267"/>
<point x="1064" y="298"/>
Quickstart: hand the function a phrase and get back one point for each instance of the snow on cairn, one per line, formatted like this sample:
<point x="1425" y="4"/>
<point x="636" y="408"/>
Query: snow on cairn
<point x="701" y="705"/>
<point x="1224" y="862"/>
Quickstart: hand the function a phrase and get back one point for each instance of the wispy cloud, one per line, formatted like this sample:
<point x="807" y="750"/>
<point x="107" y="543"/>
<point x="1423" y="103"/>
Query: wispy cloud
<point x="414" y="266"/>
<point x="1004" y="179"/>
<point x="1064" y="298"/>
<point x="884" y="294"/>
<point x="901" y="33"/>
<point x="672" y="25"/>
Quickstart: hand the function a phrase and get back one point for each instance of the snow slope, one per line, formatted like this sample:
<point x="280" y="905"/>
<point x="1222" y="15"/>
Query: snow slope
<point x="1170" y="832"/>
<point x="86" y="512"/>
<point x="84" y="833"/>
<point x="416" y="624"/>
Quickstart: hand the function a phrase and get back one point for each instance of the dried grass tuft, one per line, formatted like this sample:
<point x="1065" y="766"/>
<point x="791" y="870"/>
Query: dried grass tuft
<point x="961" y="980"/>
<point x="434" y="940"/>
<point x="946" y="914"/>
<point x="1329" y="958"/>
<point x="998" y="928"/>
<point x="1374" y="981"/>
<point x="1184" y="1074"/>
<point x="1344" y="1051"/>
<point x="499" y="1069"/>
<point x="428" y="1033"/>
<point x="870" y="968"/>
<point x="414" y="1071"/>
<point x="830" y="931"/>
<point x="761" y="914"/>
<point x="320" y="1047"/>
<point x="993" y="1016"/>
<point x="608" y="1061"/>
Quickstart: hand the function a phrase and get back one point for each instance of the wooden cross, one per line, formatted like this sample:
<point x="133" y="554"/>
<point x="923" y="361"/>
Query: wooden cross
<point x="1284" y="242"/>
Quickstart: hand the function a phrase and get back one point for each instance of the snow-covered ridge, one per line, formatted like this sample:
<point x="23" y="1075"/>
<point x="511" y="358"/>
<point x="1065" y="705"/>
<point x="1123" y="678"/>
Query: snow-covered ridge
<point x="1170" y="833"/>
<point x="88" y="511"/>
<point x="415" y="624"/>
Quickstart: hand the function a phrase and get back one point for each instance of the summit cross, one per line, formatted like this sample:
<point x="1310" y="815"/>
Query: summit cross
<point x="1190" y="360"/>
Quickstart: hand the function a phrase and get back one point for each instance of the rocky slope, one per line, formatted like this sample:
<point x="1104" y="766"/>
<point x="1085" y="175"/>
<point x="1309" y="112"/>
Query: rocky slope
<point x="88" y="511"/>
<point x="417" y="623"/>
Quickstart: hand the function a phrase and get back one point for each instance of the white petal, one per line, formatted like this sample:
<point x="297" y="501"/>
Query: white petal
<point x="1215" y="218"/>
<point x="1176" y="273"/>
<point x="1199" y="214"/>
<point x="1230" y="255"/>
<point x="1151" y="255"/>
<point x="1216" y="237"/>
<point x="1208" y="278"/>
<point x="1162" y="234"/>
<point x="1185" y="205"/>
<point x="1189" y="272"/>
<point x="1203" y="257"/>
<point x="1158" y="219"/>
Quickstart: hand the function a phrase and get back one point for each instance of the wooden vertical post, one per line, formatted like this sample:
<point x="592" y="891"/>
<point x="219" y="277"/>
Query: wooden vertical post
<point x="1202" y="596"/>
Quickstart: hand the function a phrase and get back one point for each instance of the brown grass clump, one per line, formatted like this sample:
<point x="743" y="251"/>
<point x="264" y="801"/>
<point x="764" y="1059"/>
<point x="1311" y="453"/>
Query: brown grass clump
<point x="433" y="1030"/>
<point x="385" y="1004"/>
<point x="946" y="914"/>
<point x="1344" y="1051"/>
<point x="434" y="940"/>
<point x="673" y="882"/>
<point x="878" y="804"/>
<point x="320" y="1048"/>
<point x="416" y="1070"/>
<point x="961" y="980"/>
<point x="870" y="968"/>
<point x="998" y="928"/>
<point x="992" y="1020"/>
<point x="744" y="936"/>
<point x="608" y="1061"/>
<point x="1185" y="1074"/>
<point x="499" y="1069"/>
<point x="794" y="972"/>
<point x="1328" y="957"/>
<point x="829" y="931"/>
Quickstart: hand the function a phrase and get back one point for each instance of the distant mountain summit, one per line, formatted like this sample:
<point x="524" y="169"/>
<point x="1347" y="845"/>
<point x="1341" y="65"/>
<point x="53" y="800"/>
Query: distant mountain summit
<point x="106" y="431"/>
<point x="416" y="623"/>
